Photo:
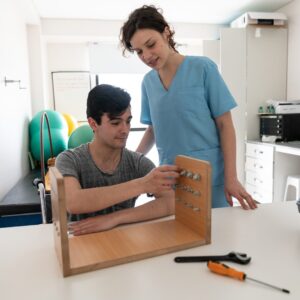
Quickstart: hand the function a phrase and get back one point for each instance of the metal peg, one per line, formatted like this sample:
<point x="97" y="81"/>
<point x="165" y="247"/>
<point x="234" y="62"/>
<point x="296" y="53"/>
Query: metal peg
<point x="183" y="173"/>
<point x="196" y="176"/>
<point x="189" y="174"/>
<point x="196" y="193"/>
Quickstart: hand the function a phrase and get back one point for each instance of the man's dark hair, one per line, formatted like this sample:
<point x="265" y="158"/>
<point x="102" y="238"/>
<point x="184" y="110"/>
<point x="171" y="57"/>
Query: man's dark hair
<point x="145" y="17"/>
<point x="105" y="98"/>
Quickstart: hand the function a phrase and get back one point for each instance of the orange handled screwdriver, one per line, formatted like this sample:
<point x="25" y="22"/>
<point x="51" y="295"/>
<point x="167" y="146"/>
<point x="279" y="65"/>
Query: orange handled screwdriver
<point x="225" y="270"/>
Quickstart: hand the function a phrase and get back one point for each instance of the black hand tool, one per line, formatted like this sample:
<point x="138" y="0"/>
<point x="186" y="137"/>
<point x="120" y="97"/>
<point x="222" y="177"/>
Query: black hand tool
<point x="240" y="258"/>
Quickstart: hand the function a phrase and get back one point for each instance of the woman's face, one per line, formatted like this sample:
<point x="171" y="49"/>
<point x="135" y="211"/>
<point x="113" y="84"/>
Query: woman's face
<point x="152" y="47"/>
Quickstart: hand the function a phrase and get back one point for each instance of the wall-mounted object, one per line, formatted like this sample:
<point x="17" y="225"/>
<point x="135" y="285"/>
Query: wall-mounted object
<point x="70" y="91"/>
<point x="259" y="18"/>
<point x="8" y="81"/>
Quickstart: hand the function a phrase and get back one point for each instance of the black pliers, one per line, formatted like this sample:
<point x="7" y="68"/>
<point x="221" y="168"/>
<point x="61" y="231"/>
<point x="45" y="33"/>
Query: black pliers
<point x="239" y="258"/>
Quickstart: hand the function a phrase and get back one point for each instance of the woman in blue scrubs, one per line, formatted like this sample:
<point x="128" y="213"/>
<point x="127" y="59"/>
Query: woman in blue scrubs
<point x="185" y="104"/>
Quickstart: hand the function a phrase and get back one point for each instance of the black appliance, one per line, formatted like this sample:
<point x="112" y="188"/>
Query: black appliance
<point x="285" y="127"/>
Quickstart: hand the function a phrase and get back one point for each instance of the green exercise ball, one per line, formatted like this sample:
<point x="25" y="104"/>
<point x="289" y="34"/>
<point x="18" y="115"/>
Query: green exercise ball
<point x="59" y="133"/>
<point x="59" y="143"/>
<point x="81" y="135"/>
<point x="56" y="121"/>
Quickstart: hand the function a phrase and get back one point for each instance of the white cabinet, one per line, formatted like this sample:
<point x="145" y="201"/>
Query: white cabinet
<point x="267" y="167"/>
<point x="211" y="49"/>
<point x="259" y="171"/>
<point x="253" y="63"/>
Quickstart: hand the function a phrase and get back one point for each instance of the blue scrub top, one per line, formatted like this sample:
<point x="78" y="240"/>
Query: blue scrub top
<point x="183" y="116"/>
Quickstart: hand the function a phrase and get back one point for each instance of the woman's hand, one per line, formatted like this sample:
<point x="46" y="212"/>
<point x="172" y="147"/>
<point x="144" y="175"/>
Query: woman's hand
<point x="233" y="188"/>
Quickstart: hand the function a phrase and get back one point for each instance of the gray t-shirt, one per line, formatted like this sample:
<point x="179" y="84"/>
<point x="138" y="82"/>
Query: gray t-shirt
<point x="78" y="163"/>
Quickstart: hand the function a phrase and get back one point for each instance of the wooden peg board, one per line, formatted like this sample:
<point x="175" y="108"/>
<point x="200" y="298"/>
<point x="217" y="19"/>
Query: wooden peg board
<point x="193" y="195"/>
<point x="190" y="228"/>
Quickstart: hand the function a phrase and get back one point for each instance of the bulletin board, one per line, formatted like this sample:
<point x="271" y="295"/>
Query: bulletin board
<point x="70" y="91"/>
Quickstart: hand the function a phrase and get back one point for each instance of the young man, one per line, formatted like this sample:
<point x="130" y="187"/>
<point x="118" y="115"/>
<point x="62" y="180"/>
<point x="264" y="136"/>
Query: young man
<point x="103" y="178"/>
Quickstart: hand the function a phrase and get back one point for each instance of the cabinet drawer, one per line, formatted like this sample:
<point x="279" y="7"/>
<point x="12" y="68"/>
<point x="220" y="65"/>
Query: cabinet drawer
<point x="260" y="195"/>
<point x="263" y="152"/>
<point x="257" y="179"/>
<point x="264" y="169"/>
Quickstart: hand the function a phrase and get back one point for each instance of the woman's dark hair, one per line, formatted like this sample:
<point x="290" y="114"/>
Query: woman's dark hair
<point x="145" y="17"/>
<point x="105" y="98"/>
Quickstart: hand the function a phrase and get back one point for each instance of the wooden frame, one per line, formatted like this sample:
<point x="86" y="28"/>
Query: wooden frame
<point x="191" y="226"/>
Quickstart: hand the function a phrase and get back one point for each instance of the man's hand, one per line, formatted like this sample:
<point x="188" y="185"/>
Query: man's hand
<point x="233" y="188"/>
<point x="93" y="224"/>
<point x="162" y="206"/>
<point x="160" y="179"/>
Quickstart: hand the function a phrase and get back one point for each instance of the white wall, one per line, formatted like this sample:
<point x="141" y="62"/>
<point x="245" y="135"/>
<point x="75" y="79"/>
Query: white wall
<point x="67" y="43"/>
<point x="65" y="57"/>
<point x="292" y="12"/>
<point x="37" y="61"/>
<point x="109" y="30"/>
<point x="15" y="111"/>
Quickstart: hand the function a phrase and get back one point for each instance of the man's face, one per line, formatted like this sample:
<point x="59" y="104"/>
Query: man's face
<point x="114" y="132"/>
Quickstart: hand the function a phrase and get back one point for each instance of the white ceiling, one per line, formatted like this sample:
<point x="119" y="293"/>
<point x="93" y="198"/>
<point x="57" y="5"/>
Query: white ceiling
<point x="188" y="11"/>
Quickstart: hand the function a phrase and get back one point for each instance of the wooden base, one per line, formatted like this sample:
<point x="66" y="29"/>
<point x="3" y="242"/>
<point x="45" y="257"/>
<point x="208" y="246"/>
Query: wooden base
<point x="190" y="228"/>
<point x="128" y="244"/>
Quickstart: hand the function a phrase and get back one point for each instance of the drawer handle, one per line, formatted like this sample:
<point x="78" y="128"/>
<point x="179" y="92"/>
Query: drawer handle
<point x="258" y="180"/>
<point x="257" y="166"/>
<point x="259" y="151"/>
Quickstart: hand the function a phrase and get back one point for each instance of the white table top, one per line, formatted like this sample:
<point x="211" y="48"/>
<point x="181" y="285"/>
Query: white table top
<point x="289" y="148"/>
<point x="270" y="235"/>
<point x="292" y="147"/>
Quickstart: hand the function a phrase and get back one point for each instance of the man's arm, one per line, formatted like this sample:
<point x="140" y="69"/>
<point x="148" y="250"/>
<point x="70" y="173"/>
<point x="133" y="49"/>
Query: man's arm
<point x="80" y="200"/>
<point x="162" y="206"/>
